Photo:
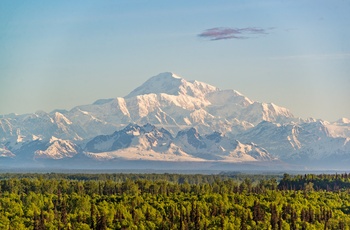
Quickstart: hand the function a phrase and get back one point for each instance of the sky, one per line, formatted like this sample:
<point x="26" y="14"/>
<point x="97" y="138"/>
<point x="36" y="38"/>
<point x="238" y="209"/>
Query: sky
<point x="61" y="54"/>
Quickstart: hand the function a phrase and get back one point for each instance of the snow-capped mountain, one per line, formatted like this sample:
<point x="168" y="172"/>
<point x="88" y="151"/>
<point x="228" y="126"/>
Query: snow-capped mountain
<point x="216" y="146"/>
<point x="57" y="149"/>
<point x="146" y="137"/>
<point x="164" y="100"/>
<point x="171" y="84"/>
<point x="54" y="148"/>
<point x="189" y="120"/>
<point x="149" y="142"/>
<point x="169" y="101"/>
<point x="310" y="141"/>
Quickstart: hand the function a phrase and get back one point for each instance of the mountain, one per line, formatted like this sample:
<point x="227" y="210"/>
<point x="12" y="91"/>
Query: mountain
<point x="171" y="84"/>
<point x="216" y="146"/>
<point x="165" y="100"/>
<point x="149" y="142"/>
<point x="176" y="120"/>
<point x="303" y="143"/>
<point x="57" y="149"/>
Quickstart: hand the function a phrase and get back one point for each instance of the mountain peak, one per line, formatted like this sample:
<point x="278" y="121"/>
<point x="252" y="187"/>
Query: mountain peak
<point x="169" y="74"/>
<point x="162" y="83"/>
<point x="172" y="84"/>
<point x="344" y="121"/>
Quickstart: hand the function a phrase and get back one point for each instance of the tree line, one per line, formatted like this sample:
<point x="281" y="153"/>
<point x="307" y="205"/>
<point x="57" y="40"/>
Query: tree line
<point x="329" y="182"/>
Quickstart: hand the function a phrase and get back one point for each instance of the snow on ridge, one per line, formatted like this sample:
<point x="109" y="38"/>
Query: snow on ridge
<point x="172" y="84"/>
<point x="57" y="149"/>
<point x="53" y="139"/>
<point x="340" y="128"/>
<point x="161" y="83"/>
<point x="59" y="117"/>
<point x="174" y="75"/>
<point x="4" y="152"/>
<point x="122" y="106"/>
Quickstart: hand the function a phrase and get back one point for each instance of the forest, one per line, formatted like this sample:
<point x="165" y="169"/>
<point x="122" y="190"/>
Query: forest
<point x="174" y="201"/>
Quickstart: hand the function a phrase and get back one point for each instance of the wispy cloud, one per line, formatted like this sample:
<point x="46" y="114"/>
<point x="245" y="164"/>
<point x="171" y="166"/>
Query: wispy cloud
<point x="220" y="33"/>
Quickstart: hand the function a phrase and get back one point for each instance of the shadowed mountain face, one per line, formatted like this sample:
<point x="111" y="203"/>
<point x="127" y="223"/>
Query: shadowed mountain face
<point x="186" y="120"/>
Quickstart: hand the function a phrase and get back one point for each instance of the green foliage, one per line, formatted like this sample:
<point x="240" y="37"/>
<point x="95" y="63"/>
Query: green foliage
<point x="172" y="201"/>
<point x="328" y="182"/>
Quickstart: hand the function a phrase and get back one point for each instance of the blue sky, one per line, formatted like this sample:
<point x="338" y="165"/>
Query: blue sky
<point x="59" y="54"/>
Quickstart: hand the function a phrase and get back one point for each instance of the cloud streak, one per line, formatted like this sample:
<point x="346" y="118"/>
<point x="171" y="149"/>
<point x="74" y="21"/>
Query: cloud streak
<point x="222" y="33"/>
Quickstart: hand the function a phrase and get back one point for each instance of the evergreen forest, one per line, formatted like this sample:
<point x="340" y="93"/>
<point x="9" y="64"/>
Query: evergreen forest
<point x="174" y="201"/>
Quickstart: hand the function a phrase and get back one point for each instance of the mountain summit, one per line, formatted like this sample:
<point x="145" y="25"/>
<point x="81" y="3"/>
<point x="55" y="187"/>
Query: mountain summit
<point x="172" y="84"/>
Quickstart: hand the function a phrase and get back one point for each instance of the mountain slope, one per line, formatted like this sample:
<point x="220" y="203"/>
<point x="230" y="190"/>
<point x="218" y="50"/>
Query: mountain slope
<point x="301" y="142"/>
<point x="149" y="142"/>
<point x="57" y="149"/>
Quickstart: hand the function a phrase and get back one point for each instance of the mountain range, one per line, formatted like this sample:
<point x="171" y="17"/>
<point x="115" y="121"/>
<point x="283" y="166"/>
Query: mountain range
<point x="170" y="119"/>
